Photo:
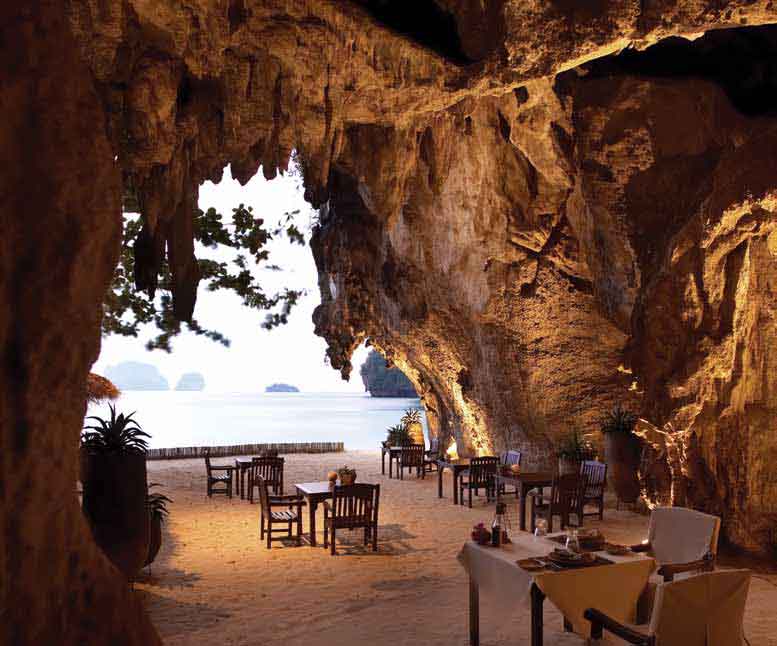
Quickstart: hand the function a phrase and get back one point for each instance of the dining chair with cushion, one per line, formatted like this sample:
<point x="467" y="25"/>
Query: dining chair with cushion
<point x="289" y="518"/>
<point x="218" y="475"/>
<point x="564" y="500"/>
<point x="481" y="474"/>
<point x="703" y="610"/>
<point x="683" y="541"/>
<point x="412" y="457"/>
<point x="595" y="474"/>
<point x="432" y="454"/>
<point x="352" y="507"/>
<point x="270" y="469"/>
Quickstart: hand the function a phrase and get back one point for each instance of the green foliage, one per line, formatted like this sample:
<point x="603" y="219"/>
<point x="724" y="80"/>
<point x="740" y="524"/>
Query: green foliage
<point x="346" y="471"/>
<point x="157" y="504"/>
<point x="398" y="435"/>
<point x="575" y="447"/>
<point x="618" y="420"/>
<point x="119" y="434"/>
<point x="126" y="310"/>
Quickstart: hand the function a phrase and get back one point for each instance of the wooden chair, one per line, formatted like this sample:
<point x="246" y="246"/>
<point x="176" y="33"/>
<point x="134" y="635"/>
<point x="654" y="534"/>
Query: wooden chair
<point x="412" y="457"/>
<point x="595" y="474"/>
<point x="506" y="460"/>
<point x="268" y="517"/>
<point x="270" y="469"/>
<point x="352" y="507"/>
<point x="432" y="455"/>
<point x="704" y="609"/>
<point x="480" y="475"/>
<point x="215" y="477"/>
<point x="564" y="500"/>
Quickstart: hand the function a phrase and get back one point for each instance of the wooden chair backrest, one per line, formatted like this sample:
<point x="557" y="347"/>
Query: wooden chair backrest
<point x="413" y="455"/>
<point x="595" y="474"/>
<point x="207" y="464"/>
<point x="682" y="535"/>
<point x="482" y="470"/>
<point x="434" y="446"/>
<point x="509" y="458"/>
<point x="264" y="495"/>
<point x="355" y="504"/>
<point x="269" y="469"/>
<point x="566" y="490"/>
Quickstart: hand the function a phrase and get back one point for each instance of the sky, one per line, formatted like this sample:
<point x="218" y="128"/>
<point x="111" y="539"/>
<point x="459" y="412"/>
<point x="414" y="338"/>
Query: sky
<point x="256" y="357"/>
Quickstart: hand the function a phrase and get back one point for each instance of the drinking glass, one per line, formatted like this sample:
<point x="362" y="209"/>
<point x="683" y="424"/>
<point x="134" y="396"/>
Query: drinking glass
<point x="541" y="527"/>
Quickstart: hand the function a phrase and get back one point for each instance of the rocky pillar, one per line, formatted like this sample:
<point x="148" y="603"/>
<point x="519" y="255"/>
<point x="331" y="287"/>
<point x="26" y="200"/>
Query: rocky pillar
<point x="60" y="224"/>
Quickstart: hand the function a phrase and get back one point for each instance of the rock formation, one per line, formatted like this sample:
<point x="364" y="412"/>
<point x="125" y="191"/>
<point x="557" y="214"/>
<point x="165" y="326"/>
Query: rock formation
<point x="135" y="375"/>
<point x="191" y="381"/>
<point x="381" y="380"/>
<point x="533" y="209"/>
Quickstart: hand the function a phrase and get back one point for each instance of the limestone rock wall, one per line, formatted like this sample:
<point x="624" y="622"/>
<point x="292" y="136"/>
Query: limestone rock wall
<point x="529" y="238"/>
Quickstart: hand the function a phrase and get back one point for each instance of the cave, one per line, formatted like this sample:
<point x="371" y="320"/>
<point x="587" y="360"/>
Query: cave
<point x="536" y="213"/>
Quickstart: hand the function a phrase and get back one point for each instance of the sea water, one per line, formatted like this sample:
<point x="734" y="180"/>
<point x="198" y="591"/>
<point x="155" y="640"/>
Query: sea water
<point x="175" y="418"/>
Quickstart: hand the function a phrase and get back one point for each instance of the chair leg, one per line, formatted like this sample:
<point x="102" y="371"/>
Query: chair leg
<point x="375" y="537"/>
<point x="332" y="541"/>
<point x="261" y="526"/>
<point x="470" y="497"/>
<point x="299" y="525"/>
<point x="326" y="528"/>
<point x="366" y="534"/>
<point x="269" y="532"/>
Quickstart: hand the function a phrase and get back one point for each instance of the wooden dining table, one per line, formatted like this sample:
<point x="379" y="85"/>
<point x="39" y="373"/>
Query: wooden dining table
<point x="242" y="465"/>
<point x="524" y="482"/>
<point x="457" y="466"/>
<point x="315" y="493"/>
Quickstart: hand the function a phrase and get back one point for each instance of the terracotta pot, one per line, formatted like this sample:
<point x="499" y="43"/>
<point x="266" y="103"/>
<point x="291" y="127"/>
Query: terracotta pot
<point x="331" y="476"/>
<point x="416" y="431"/>
<point x="155" y="539"/>
<point x="622" y="452"/>
<point x="348" y="479"/>
<point x="114" y="503"/>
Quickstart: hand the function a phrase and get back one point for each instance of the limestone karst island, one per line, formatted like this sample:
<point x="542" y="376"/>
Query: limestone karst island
<point x="516" y="260"/>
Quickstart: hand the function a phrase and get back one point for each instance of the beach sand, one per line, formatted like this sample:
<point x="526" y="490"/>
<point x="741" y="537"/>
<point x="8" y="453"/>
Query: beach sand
<point x="214" y="582"/>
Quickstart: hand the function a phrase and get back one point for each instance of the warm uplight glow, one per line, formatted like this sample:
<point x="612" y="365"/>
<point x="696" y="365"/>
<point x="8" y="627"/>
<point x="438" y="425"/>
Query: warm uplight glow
<point x="483" y="451"/>
<point x="452" y="450"/>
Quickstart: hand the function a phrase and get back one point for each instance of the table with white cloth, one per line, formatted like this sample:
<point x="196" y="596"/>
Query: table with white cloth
<point x="494" y="573"/>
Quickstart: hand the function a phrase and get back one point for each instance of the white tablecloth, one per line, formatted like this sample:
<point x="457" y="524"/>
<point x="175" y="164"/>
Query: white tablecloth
<point x="613" y="589"/>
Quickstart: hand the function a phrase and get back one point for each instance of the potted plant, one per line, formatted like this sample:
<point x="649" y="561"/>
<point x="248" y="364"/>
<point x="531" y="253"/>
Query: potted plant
<point x="156" y="504"/>
<point x="347" y="476"/>
<point x="571" y="451"/>
<point x="622" y="452"/>
<point x="115" y="489"/>
<point x="411" y="420"/>
<point x="398" y="435"/>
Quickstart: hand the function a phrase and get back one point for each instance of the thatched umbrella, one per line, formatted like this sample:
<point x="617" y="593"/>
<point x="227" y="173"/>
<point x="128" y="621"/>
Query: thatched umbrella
<point x="99" y="388"/>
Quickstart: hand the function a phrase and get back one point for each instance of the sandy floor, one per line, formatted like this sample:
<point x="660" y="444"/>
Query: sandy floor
<point x="213" y="581"/>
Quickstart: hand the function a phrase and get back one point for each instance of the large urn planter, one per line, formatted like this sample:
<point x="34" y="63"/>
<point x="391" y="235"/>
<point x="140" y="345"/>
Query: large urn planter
<point x="622" y="453"/>
<point x="114" y="503"/>
<point x="154" y="539"/>
<point x="568" y="465"/>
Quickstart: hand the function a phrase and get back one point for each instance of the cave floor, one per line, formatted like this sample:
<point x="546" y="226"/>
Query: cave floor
<point x="213" y="582"/>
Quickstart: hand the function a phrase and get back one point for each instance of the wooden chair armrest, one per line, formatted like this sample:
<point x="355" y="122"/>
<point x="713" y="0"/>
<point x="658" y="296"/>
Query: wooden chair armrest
<point x="669" y="570"/>
<point x="641" y="547"/>
<point x="327" y="505"/>
<point x="601" y="621"/>
<point x="213" y="467"/>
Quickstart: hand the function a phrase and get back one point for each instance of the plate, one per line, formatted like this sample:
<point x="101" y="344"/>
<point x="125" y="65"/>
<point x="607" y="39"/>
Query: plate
<point x="617" y="550"/>
<point x="573" y="561"/>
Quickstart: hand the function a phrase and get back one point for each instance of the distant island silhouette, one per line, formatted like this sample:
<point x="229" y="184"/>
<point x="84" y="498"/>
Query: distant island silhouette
<point x="382" y="381"/>
<point x="134" y="375"/>
<point x="281" y="388"/>
<point x="191" y="381"/>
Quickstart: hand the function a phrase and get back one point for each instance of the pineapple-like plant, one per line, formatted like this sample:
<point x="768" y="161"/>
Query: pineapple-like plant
<point x="619" y="420"/>
<point x="411" y="416"/>
<point x="118" y="434"/>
